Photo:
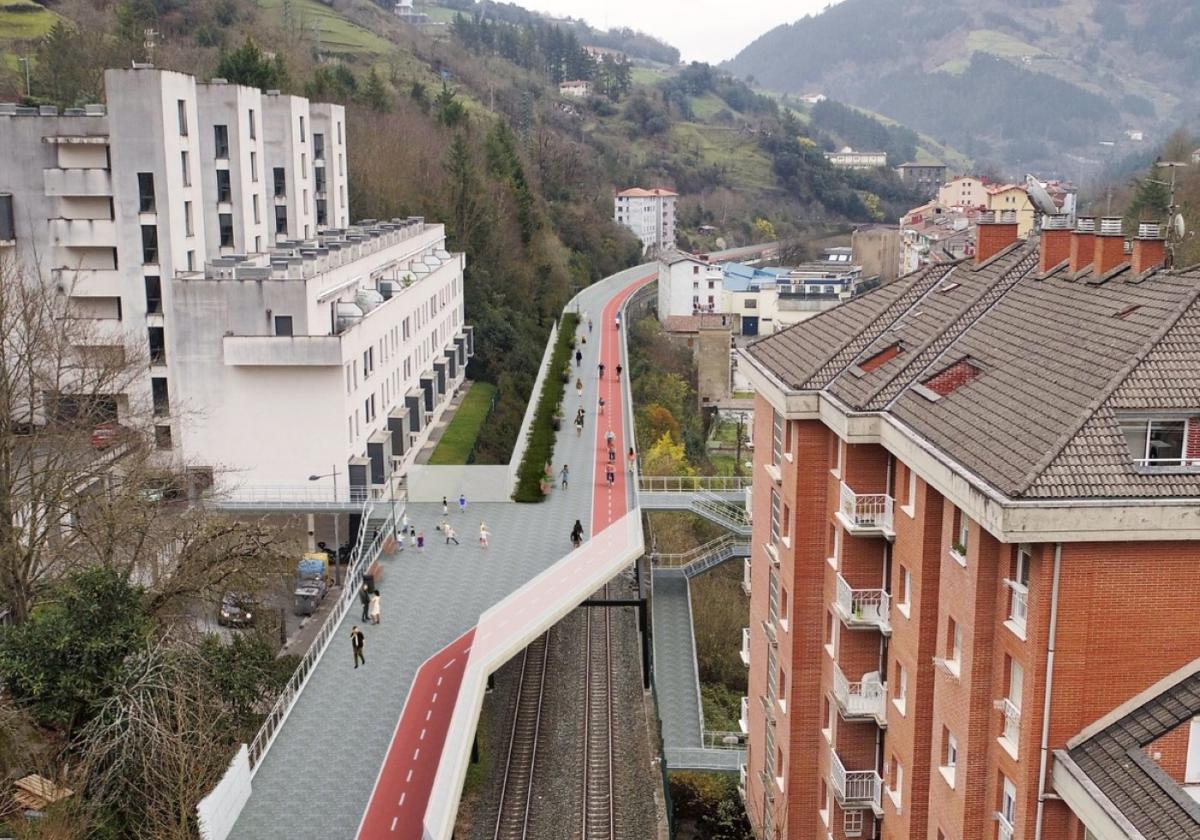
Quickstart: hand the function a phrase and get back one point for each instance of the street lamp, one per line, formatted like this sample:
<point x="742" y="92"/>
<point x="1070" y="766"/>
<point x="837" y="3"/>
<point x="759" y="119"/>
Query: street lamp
<point x="25" y="62"/>
<point x="337" y="539"/>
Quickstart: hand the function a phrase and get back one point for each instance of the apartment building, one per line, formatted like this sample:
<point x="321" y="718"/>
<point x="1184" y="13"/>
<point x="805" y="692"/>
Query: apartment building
<point x="976" y="550"/>
<point x="650" y="214"/>
<point x="193" y="220"/>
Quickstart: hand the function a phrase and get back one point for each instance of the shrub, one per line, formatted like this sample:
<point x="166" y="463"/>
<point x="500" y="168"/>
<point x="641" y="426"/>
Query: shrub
<point x="541" y="432"/>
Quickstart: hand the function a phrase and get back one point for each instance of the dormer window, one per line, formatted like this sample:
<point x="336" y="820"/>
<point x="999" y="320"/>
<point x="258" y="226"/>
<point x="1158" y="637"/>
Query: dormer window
<point x="1158" y="442"/>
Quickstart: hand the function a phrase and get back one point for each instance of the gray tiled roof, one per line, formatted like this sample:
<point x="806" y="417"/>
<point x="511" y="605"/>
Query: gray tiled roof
<point x="1114" y="760"/>
<point x="1057" y="362"/>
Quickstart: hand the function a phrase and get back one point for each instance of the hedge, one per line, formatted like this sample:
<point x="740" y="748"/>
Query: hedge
<point x="540" y="448"/>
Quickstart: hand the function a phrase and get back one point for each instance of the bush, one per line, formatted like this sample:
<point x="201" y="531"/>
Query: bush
<point x="541" y="433"/>
<point x="707" y="805"/>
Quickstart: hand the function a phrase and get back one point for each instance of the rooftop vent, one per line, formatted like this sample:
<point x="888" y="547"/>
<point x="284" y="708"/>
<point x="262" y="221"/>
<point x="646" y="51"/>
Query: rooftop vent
<point x="1110" y="226"/>
<point x="1058" y="221"/>
<point x="1148" y="230"/>
<point x="272" y="92"/>
<point x="1085" y="224"/>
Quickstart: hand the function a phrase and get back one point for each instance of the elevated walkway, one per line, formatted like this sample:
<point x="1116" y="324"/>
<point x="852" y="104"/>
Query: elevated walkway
<point x="677" y="683"/>
<point x="723" y="506"/>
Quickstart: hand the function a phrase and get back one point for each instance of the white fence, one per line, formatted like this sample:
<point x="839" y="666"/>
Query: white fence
<point x="220" y="809"/>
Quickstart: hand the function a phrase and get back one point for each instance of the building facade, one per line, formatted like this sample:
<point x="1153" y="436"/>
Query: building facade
<point x="206" y="228"/>
<point x="964" y="191"/>
<point x="1013" y="198"/>
<point x="925" y="178"/>
<point x="848" y="158"/>
<point x="650" y="214"/>
<point x="975" y="536"/>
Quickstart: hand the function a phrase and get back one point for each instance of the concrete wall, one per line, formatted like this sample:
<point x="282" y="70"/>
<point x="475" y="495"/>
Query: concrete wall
<point x="480" y="483"/>
<point x="220" y="809"/>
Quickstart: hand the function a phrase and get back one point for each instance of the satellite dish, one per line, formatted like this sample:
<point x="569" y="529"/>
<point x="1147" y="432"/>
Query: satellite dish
<point x="1179" y="225"/>
<point x="1040" y="198"/>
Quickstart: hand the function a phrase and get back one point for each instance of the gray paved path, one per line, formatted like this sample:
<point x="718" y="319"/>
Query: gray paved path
<point x="316" y="780"/>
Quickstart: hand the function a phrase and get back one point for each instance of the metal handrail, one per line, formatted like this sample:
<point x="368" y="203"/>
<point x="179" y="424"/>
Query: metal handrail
<point x="723" y="740"/>
<point x="866" y="510"/>
<point x="867" y="605"/>
<point x="858" y="698"/>
<point x="364" y="553"/>
<point x="854" y="785"/>
<point x="686" y="557"/>
<point x="1012" y="720"/>
<point x="691" y="483"/>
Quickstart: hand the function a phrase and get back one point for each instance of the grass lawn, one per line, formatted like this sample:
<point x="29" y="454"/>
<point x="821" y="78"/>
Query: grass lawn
<point x="747" y="164"/>
<point x="458" y="441"/>
<point x="338" y="34"/>
<point x="24" y="20"/>
<point x="743" y="395"/>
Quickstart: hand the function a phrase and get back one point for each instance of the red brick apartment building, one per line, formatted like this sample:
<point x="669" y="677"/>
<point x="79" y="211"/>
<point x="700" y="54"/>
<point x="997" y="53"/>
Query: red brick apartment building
<point x="975" y="581"/>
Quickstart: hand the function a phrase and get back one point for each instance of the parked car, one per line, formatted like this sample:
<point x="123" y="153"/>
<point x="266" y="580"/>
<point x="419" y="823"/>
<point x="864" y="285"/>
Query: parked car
<point x="108" y="434"/>
<point x="237" y="610"/>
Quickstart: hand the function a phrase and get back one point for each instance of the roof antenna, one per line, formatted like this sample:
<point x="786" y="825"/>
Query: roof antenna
<point x="1176" y="227"/>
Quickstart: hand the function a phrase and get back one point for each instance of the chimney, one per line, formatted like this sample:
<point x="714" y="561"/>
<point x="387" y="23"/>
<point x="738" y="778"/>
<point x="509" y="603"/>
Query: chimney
<point x="1149" y="248"/>
<point x="1109" y="249"/>
<point x="994" y="233"/>
<point x="1082" y="243"/>
<point x="1056" y="242"/>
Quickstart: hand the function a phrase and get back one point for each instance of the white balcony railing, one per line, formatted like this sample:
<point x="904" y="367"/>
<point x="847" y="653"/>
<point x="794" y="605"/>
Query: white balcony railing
<point x="1004" y="830"/>
<point x="744" y="720"/>
<point x="746" y="575"/>
<point x="863" y="607"/>
<point x="859" y="699"/>
<point x="1018" y="604"/>
<point x="1012" y="721"/>
<point x="854" y="788"/>
<point x="866" y="512"/>
<point x="692" y="483"/>
<point x="746" y="646"/>
<point x="743" y="774"/>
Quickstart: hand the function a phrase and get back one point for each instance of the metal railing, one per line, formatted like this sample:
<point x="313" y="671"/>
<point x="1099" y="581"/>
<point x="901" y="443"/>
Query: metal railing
<point x="704" y="557"/>
<point x="308" y="494"/>
<point x="724" y="513"/>
<point x="1011" y="723"/>
<point x="863" y="698"/>
<point x="746" y="647"/>
<point x="746" y="576"/>
<point x="743" y="775"/>
<point x="1018" y="605"/>
<point x="363" y="555"/>
<point x="720" y="740"/>
<point x="744" y="720"/>
<point x="691" y="483"/>
<point x="854" y="786"/>
<point x="866" y="510"/>
<point x="863" y="606"/>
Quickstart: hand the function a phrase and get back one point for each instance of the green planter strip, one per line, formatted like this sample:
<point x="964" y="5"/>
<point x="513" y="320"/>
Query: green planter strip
<point x="541" y="432"/>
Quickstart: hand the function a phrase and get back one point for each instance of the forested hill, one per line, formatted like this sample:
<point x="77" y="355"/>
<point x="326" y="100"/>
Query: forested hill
<point x="1030" y="83"/>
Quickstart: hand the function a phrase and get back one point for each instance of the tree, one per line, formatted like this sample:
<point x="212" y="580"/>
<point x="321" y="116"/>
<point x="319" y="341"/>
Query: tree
<point x="248" y="65"/>
<point x="666" y="457"/>
<point x="63" y="659"/>
<point x="375" y="95"/>
<point x="450" y="111"/>
<point x="764" y="231"/>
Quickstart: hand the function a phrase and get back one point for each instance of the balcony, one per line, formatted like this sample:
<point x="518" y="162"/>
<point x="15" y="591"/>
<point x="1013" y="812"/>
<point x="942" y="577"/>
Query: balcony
<point x="83" y="233"/>
<point x="746" y="646"/>
<point x="855" y="788"/>
<point x="744" y="720"/>
<point x="283" y="351"/>
<point x="77" y="182"/>
<point x="859" y="700"/>
<point x="1018" y="607"/>
<point x="746" y="575"/>
<point x="743" y="775"/>
<point x="1010" y="725"/>
<point x="769" y="629"/>
<point x="866" y="514"/>
<point x="863" y="608"/>
<point x="1004" y="830"/>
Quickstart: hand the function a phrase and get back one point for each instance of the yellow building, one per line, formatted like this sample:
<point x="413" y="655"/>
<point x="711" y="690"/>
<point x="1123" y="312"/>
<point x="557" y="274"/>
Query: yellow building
<point x="1013" y="197"/>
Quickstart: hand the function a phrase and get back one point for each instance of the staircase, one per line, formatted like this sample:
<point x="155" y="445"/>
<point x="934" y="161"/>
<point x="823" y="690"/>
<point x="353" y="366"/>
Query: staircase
<point x="729" y="516"/>
<point x="708" y="556"/>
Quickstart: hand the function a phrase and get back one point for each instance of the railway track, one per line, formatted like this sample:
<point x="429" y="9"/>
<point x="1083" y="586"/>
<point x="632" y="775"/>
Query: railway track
<point x="599" y="817"/>
<point x="516" y="793"/>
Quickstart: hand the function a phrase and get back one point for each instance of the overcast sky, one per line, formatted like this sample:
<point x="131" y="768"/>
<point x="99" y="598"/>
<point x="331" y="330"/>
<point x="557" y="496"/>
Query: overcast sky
<point x="703" y="30"/>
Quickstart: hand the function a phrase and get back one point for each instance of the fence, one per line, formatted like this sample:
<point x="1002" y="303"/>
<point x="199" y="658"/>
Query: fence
<point x="692" y="483"/>
<point x="363" y="555"/>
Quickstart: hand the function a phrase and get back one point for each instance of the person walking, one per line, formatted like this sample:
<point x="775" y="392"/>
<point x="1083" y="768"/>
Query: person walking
<point x="445" y="506"/>
<point x="364" y="595"/>
<point x="421" y="541"/>
<point x="602" y="405"/>
<point x="589" y="324"/>
<point x="483" y="535"/>
<point x="579" y="387"/>
<point x="462" y="503"/>
<point x="578" y="358"/>
<point x="373" y="612"/>
<point x="609" y="437"/>
<point x="619" y="369"/>
<point x="356" y="642"/>
<point x="450" y="537"/>
<point x="631" y="458"/>
<point x="577" y="534"/>
<point x="610" y="474"/>
<point x="618" y="322"/>
<point x="579" y="423"/>
<point x="602" y="370"/>
<point x="564" y="474"/>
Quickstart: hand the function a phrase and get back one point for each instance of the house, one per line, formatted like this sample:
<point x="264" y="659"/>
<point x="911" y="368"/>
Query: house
<point x="924" y="178"/>
<point x="207" y="227"/>
<point x="876" y="248"/>
<point x="847" y="158"/>
<point x="580" y="88"/>
<point x="813" y="98"/>
<point x="975" y="550"/>
<point x="935" y="233"/>
<point x="964" y="191"/>
<point x="1014" y="198"/>
<point x="650" y="214"/>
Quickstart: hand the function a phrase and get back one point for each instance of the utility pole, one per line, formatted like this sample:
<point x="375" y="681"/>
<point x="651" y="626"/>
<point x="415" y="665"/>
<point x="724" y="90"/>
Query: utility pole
<point x="25" y="62"/>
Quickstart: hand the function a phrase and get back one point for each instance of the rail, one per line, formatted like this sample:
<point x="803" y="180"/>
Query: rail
<point x="715" y="739"/>
<point x="675" y="561"/>
<point x="1011" y="723"/>
<point x="858" y="698"/>
<point x="363" y="554"/>
<point x="866" y="510"/>
<point x="691" y="483"/>
<point x="864" y="606"/>
<point x="854" y="785"/>
<point x="302" y="493"/>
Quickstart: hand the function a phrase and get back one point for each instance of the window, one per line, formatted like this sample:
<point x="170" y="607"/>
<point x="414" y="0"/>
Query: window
<point x="187" y="219"/>
<point x="896" y="789"/>
<point x="257" y="214"/>
<point x="225" y="223"/>
<point x="281" y="219"/>
<point x="283" y="325"/>
<point x="751" y="303"/>
<point x="835" y="545"/>
<point x="1157" y="443"/>
<point x="186" y="165"/>
<point x="318" y="146"/>
<point x="145" y="192"/>
<point x="1018" y="584"/>
<point x="852" y="823"/>
<point x="191" y="260"/>
<point x="950" y="379"/>
<point x="221" y="141"/>
<point x="254" y="167"/>
<point x="953" y="646"/>
<point x="900" y="692"/>
<point x="905" y="604"/>
<point x="949" y="756"/>
<point x="302" y="129"/>
<point x="149" y="244"/>
<point x="303" y="166"/>
<point x="322" y="213"/>
<point x="368" y="362"/>
<point x="776" y="437"/>
<point x="831" y="633"/>
<point x="162" y="437"/>
<point x="773" y="603"/>
<point x="158" y="346"/>
<point x="339" y="133"/>
<point x="280" y="178"/>
<point x="250" y="116"/>
<point x="224" y="190"/>
<point x="783" y="606"/>
<point x="160" y="396"/>
<point x="1011" y="705"/>
<point x="181" y="107"/>
<point x="912" y="491"/>
<point x="776" y="515"/>
<point x="1007" y="814"/>
<point x="319" y="181"/>
<point x="153" y="294"/>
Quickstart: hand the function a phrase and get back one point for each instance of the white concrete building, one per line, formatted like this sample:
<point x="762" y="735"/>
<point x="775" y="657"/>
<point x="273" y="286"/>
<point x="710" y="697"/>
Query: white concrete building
<point x="963" y="191"/>
<point x="650" y="214"/>
<point x="848" y="158"/>
<point x="579" y="88"/>
<point x="164" y="192"/>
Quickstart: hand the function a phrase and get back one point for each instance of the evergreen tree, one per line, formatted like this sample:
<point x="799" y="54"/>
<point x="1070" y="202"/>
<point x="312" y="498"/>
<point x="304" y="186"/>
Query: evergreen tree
<point x="375" y="95"/>
<point x="248" y="65"/>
